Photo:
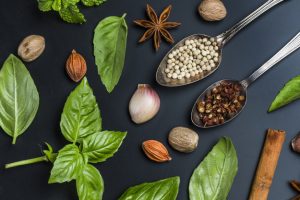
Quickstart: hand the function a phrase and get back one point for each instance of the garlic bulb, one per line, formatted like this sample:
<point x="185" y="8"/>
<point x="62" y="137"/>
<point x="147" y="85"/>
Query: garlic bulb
<point x="144" y="104"/>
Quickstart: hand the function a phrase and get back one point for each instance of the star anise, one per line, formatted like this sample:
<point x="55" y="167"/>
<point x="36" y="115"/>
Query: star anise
<point x="157" y="27"/>
<point x="296" y="186"/>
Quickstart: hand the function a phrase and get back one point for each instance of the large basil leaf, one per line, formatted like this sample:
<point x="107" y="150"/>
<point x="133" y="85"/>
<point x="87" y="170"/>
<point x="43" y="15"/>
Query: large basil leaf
<point x="101" y="146"/>
<point x="90" y="184"/>
<point x="289" y="93"/>
<point x="68" y="165"/>
<point x="213" y="178"/>
<point x="19" y="99"/>
<point x="81" y="115"/>
<point x="109" y="49"/>
<point x="166" y="189"/>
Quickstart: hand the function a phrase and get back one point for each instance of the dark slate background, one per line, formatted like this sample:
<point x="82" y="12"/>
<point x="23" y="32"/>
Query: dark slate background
<point x="243" y="54"/>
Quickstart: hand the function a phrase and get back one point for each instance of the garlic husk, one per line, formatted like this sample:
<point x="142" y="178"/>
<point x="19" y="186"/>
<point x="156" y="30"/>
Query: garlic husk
<point x="144" y="104"/>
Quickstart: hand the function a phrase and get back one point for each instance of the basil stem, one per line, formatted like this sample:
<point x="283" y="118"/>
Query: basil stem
<point x="27" y="162"/>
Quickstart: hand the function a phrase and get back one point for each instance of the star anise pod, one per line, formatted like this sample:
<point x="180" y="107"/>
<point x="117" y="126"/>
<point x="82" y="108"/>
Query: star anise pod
<point x="296" y="186"/>
<point x="157" y="27"/>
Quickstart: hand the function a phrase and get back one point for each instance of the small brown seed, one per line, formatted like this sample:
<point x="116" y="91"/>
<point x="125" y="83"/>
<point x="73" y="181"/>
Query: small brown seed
<point x="76" y="66"/>
<point x="156" y="151"/>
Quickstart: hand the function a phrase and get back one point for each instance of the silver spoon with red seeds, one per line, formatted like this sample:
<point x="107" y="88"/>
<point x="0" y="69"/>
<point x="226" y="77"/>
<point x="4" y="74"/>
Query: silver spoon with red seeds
<point x="224" y="100"/>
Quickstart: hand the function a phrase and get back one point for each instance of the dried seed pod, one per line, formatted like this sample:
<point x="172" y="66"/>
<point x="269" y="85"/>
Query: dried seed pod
<point x="76" y="66"/>
<point x="31" y="47"/>
<point x="156" y="151"/>
<point x="296" y="143"/>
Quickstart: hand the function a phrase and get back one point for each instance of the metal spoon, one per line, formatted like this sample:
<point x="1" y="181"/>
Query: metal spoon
<point x="221" y="39"/>
<point x="290" y="47"/>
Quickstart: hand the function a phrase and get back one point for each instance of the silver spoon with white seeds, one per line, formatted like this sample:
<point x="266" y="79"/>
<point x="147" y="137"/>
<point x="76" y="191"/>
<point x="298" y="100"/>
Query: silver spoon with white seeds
<point x="206" y="116"/>
<point x="197" y="56"/>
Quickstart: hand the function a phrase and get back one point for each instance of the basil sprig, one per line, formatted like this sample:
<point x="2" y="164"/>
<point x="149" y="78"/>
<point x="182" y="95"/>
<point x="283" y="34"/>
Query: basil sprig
<point x="81" y="125"/>
<point x="19" y="99"/>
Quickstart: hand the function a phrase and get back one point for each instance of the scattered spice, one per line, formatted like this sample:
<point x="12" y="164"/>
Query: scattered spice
<point x="296" y="143"/>
<point x="212" y="10"/>
<point x="296" y="186"/>
<point x="267" y="164"/>
<point x="157" y="27"/>
<point x="156" y="151"/>
<point x="194" y="58"/>
<point x="221" y="103"/>
<point x="183" y="139"/>
<point x="31" y="47"/>
<point x="76" y="66"/>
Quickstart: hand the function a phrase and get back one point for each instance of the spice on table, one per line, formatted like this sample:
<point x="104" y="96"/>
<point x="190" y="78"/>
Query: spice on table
<point x="212" y="10"/>
<point x="183" y="139"/>
<point x="296" y="143"/>
<point x="194" y="58"/>
<point x="296" y="186"/>
<point x="267" y="164"/>
<point x="76" y="66"/>
<point x="221" y="103"/>
<point x="157" y="26"/>
<point x="31" y="47"/>
<point x="156" y="151"/>
<point x="144" y="104"/>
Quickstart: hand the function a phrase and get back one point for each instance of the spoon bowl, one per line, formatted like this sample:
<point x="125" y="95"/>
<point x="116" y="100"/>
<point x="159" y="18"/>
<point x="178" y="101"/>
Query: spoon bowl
<point x="161" y="76"/>
<point x="195" y="117"/>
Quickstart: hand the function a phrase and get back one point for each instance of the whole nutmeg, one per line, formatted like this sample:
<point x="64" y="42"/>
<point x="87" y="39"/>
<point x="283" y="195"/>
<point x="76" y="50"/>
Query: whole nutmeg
<point x="31" y="47"/>
<point x="183" y="139"/>
<point x="76" y="66"/>
<point x="296" y="143"/>
<point x="156" y="151"/>
<point x="212" y="10"/>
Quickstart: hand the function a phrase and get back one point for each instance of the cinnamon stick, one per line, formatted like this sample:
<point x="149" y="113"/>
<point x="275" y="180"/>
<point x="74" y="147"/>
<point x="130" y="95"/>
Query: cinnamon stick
<point x="267" y="165"/>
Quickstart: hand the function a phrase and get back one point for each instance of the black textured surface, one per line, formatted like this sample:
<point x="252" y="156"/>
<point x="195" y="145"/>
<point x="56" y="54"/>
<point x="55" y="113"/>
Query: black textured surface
<point x="243" y="54"/>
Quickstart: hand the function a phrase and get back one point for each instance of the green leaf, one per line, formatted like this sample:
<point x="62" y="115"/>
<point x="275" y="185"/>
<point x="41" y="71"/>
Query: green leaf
<point x="49" y="153"/>
<point x="289" y="93"/>
<point x="67" y="3"/>
<point x="81" y="115"/>
<point x="101" y="146"/>
<point x="19" y="99"/>
<point x="92" y="2"/>
<point x="109" y="49"/>
<point x="57" y="5"/>
<point x="89" y="184"/>
<point x="68" y="165"/>
<point x="213" y="178"/>
<point x="71" y="14"/>
<point x="166" y="189"/>
<point x="45" y="5"/>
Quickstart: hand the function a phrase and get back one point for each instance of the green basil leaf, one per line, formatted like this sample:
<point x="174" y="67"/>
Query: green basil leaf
<point x="213" y="178"/>
<point x="49" y="153"/>
<point x="68" y="165"/>
<point x="45" y="5"/>
<point x="92" y="2"/>
<point x="289" y="93"/>
<point x="166" y="189"/>
<point x="81" y="115"/>
<point x="89" y="184"/>
<point x="56" y="5"/>
<point x="109" y="49"/>
<point x="71" y="14"/>
<point x="101" y="146"/>
<point x="67" y="3"/>
<point x="19" y="99"/>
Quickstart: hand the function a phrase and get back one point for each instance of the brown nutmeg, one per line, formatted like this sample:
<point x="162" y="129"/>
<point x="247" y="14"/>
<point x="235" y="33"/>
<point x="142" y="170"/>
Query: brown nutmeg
<point x="212" y="10"/>
<point x="296" y="143"/>
<point x="76" y="66"/>
<point x="183" y="139"/>
<point x="31" y="47"/>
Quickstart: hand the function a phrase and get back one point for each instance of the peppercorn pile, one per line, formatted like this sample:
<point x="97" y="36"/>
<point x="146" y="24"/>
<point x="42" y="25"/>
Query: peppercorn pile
<point x="195" y="57"/>
<point x="221" y="103"/>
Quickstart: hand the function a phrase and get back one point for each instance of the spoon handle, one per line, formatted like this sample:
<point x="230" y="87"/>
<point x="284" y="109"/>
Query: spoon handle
<point x="289" y="48"/>
<point x="226" y="36"/>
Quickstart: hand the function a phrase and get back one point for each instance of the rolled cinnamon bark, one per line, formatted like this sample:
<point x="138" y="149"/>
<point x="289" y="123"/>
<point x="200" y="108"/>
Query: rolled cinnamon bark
<point x="267" y="165"/>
